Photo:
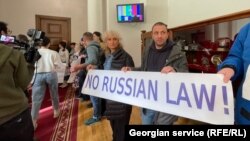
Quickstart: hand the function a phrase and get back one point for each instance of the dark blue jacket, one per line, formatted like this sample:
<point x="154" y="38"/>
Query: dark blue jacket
<point x="239" y="57"/>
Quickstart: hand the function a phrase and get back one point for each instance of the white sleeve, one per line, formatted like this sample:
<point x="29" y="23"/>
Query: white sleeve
<point x="57" y="60"/>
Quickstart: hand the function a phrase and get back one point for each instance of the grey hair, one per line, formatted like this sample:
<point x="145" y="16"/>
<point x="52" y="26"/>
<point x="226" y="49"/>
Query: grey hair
<point x="111" y="33"/>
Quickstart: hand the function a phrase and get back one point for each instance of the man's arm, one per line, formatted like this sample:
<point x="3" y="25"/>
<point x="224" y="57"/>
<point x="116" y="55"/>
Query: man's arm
<point x="78" y="67"/>
<point x="93" y="55"/>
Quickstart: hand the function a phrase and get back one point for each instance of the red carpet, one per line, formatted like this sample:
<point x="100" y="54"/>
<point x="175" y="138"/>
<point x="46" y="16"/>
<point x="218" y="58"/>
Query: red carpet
<point x="63" y="128"/>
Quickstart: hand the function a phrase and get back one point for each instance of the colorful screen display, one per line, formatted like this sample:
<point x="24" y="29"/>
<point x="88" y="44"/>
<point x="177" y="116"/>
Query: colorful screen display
<point x="130" y="12"/>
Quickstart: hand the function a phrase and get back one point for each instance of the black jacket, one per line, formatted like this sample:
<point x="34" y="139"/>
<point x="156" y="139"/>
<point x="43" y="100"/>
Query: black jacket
<point x="117" y="110"/>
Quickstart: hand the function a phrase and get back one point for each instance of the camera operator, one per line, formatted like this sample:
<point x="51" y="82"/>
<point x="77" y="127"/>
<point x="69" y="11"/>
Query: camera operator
<point x="15" y="73"/>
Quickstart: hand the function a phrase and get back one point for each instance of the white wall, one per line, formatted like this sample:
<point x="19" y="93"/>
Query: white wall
<point x="181" y="12"/>
<point x="95" y="14"/>
<point x="131" y="32"/>
<point x="20" y="14"/>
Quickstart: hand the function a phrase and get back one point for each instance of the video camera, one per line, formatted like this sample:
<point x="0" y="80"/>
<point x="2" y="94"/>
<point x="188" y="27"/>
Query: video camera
<point x="22" y="43"/>
<point x="32" y="55"/>
<point x="35" y="35"/>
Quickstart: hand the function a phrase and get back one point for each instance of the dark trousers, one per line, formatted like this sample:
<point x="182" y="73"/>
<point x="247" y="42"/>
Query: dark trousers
<point x="97" y="106"/>
<point x="82" y="76"/>
<point x="19" y="128"/>
<point x="118" y="126"/>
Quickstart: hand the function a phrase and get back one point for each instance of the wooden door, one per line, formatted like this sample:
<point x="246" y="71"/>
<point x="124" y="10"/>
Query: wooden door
<point x="56" y="28"/>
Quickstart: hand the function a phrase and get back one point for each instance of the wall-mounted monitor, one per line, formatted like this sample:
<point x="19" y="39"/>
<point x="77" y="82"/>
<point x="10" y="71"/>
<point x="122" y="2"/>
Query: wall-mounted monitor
<point x="130" y="12"/>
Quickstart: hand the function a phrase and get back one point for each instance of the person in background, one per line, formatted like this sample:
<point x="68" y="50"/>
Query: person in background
<point x="80" y="77"/>
<point x="236" y="65"/>
<point x="72" y="50"/>
<point x="162" y="55"/>
<point x="67" y="45"/>
<point x="64" y="55"/>
<point x="63" y="52"/>
<point x="93" y="57"/>
<point x="117" y="113"/>
<point x="97" y="36"/>
<point x="75" y="59"/>
<point x="45" y="74"/>
<point x="15" y="73"/>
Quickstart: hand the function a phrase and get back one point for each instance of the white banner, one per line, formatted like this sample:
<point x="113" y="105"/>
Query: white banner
<point x="203" y="97"/>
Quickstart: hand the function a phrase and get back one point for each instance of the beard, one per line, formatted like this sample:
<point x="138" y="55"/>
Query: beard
<point x="160" y="45"/>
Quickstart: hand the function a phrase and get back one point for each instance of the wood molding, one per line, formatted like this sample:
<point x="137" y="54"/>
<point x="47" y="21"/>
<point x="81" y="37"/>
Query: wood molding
<point x="220" y="19"/>
<point x="38" y="24"/>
